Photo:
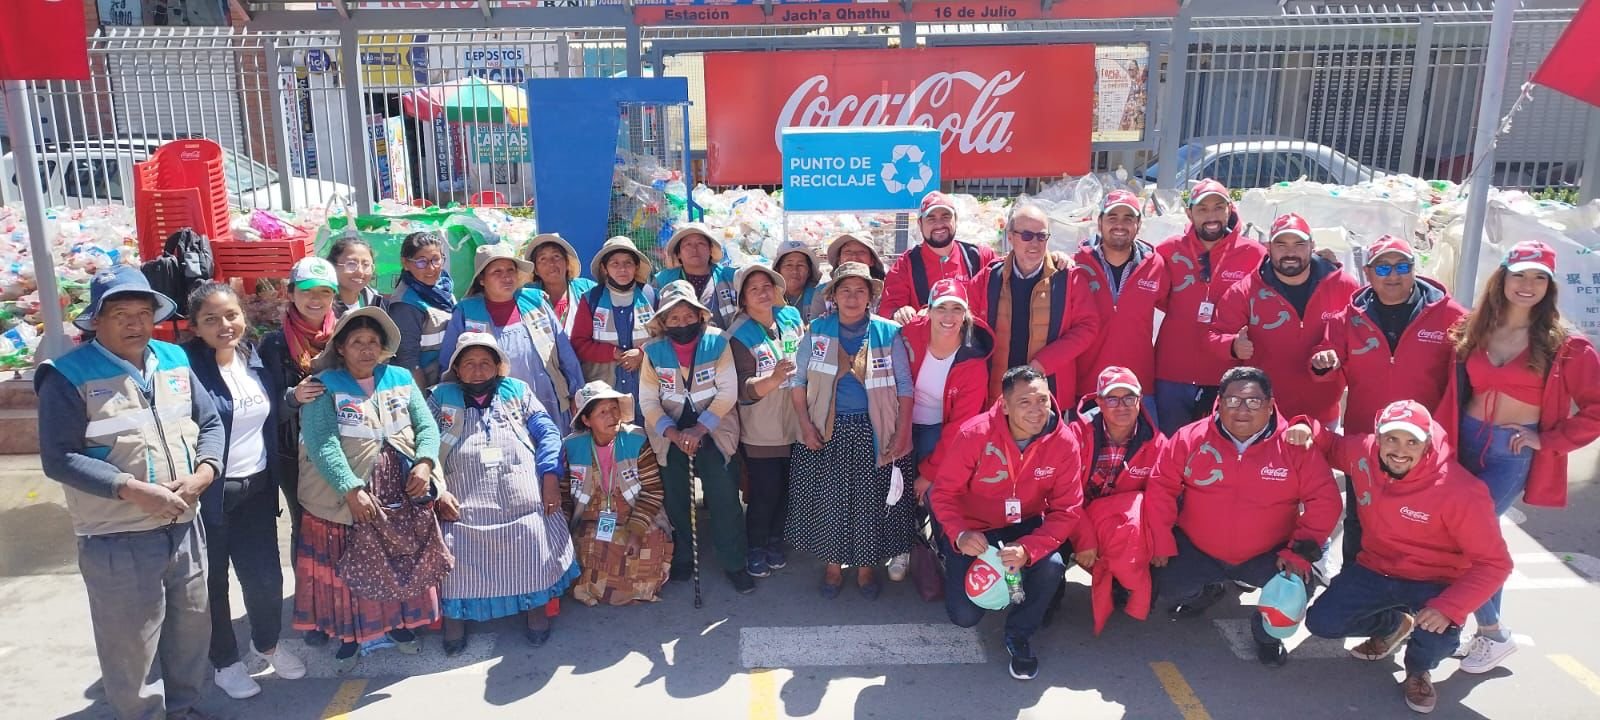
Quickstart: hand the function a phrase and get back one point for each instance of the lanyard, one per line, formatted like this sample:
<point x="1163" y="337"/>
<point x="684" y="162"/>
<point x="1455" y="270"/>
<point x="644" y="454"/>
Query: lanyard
<point x="1216" y="269"/>
<point x="604" y="482"/>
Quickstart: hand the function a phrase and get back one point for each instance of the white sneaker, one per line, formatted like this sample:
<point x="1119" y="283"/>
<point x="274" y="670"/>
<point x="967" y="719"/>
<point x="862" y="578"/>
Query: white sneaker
<point x="898" y="566"/>
<point x="285" y="664"/>
<point x="1486" y="653"/>
<point x="236" y="682"/>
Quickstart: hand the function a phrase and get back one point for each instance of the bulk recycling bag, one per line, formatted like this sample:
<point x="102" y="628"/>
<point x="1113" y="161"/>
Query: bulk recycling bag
<point x="463" y="232"/>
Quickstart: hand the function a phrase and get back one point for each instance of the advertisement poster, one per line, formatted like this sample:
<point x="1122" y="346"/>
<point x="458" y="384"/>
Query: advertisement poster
<point x="504" y="64"/>
<point x="399" y="164"/>
<point x="1121" y="75"/>
<point x="448" y="149"/>
<point x="378" y="137"/>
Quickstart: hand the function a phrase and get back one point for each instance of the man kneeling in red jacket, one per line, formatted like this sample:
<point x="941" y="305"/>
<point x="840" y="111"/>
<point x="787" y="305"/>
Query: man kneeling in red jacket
<point x="1010" y="478"/>
<point x="1242" y="488"/>
<point x="1431" y="545"/>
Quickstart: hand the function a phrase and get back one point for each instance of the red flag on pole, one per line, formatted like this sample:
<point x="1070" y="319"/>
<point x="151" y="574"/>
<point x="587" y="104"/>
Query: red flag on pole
<point x="43" y="40"/>
<point x="1570" y="68"/>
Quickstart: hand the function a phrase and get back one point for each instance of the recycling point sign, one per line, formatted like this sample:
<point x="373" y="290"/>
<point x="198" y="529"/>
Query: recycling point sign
<point x="858" y="169"/>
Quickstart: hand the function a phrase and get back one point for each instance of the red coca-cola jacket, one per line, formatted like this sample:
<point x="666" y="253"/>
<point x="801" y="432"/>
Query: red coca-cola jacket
<point x="963" y="388"/>
<point x="1238" y="505"/>
<point x="1114" y="522"/>
<point x="1574" y="379"/>
<point x="1418" y="368"/>
<point x="1127" y="335"/>
<point x="1178" y="354"/>
<point x="1435" y="524"/>
<point x="1284" y="338"/>
<point x="901" y="287"/>
<point x="983" y="469"/>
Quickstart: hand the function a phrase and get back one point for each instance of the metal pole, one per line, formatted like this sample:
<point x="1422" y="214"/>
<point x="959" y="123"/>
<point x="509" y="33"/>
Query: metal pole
<point x="1489" y="97"/>
<point x="1589" y="186"/>
<point x="1421" y="75"/>
<point x="1172" y="103"/>
<point x="280" y="124"/>
<point x="635" y="50"/>
<point x="19" y="117"/>
<point x="361" y="174"/>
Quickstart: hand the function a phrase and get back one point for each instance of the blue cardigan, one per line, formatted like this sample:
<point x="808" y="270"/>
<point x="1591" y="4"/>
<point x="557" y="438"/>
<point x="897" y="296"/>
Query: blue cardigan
<point x="203" y="361"/>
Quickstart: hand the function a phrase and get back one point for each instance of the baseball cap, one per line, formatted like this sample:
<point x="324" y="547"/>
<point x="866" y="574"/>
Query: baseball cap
<point x="948" y="289"/>
<point x="986" y="583"/>
<point x="1292" y="224"/>
<point x="1121" y="198"/>
<point x="1531" y="255"/>
<point x="1407" y="415"/>
<point x="1390" y="244"/>
<point x="1206" y="188"/>
<point x="936" y="199"/>
<point x="313" y="272"/>
<point x="1282" y="605"/>
<point x="1115" y="377"/>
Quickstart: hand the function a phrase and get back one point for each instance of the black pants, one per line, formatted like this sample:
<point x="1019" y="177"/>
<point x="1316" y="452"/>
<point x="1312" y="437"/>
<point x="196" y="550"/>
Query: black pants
<point x="766" y="500"/>
<point x="247" y="538"/>
<point x="288" y="472"/>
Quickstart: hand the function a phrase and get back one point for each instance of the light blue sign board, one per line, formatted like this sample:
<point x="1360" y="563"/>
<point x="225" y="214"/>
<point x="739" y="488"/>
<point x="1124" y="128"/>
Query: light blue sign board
<point x="858" y="169"/>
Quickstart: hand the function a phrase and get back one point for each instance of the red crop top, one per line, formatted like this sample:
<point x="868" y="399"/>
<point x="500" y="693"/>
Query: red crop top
<point x="1513" y="379"/>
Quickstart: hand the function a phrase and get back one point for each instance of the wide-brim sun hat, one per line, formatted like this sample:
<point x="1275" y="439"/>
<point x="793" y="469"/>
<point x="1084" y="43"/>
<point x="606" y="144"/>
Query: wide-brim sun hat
<point x="119" y="281"/>
<point x="676" y="292"/>
<point x="669" y="254"/>
<point x="854" y="270"/>
<point x="594" y="392"/>
<point x="391" y="336"/>
<point x="764" y="269"/>
<point x="468" y="340"/>
<point x="487" y="254"/>
<point x="621" y="243"/>
<point x="574" y="265"/>
<point x="837" y="246"/>
<point x="789" y="247"/>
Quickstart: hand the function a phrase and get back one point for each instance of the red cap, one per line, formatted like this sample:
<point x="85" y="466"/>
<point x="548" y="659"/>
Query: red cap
<point x="1115" y="377"/>
<point x="1290" y="223"/>
<point x="1121" y="198"/>
<point x="949" y="289"/>
<point x="1407" y="415"/>
<point x="937" y="199"/>
<point x="1531" y="255"/>
<point x="1206" y="188"/>
<point x="1390" y="244"/>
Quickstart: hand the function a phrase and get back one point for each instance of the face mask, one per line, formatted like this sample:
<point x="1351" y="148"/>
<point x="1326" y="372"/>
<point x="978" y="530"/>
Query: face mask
<point x="619" y="288"/>
<point x="685" y="334"/>
<point x="482" y="388"/>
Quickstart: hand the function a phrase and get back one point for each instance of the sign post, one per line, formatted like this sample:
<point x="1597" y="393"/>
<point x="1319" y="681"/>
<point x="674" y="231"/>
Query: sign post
<point x="875" y="169"/>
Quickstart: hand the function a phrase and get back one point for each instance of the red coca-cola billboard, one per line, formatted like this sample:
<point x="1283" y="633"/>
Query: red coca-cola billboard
<point x="1006" y="111"/>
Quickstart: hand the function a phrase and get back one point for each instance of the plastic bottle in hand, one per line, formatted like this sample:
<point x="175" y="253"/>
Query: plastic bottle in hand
<point x="1014" y="584"/>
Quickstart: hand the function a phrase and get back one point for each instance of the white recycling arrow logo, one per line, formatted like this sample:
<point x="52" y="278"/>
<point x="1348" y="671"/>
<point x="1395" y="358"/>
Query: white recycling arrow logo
<point x="914" y="185"/>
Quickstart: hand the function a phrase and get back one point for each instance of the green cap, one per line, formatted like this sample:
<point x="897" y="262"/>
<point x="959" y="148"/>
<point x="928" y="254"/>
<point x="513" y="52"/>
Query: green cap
<point x="313" y="272"/>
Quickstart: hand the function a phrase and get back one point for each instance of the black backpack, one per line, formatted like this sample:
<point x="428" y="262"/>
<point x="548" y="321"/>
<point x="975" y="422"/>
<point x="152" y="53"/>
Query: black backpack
<point x="186" y="263"/>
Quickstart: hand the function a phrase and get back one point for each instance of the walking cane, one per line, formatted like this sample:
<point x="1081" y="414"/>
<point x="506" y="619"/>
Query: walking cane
<point x="694" y="535"/>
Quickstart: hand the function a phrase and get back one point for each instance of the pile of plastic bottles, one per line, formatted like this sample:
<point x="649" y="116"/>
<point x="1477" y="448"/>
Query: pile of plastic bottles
<point x="87" y="241"/>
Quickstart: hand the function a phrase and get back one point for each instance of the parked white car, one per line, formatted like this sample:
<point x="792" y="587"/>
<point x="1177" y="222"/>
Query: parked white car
<point x="1261" y="163"/>
<point x="89" y="172"/>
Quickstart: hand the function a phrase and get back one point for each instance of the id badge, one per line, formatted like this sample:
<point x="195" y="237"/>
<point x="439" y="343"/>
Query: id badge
<point x="1013" y="510"/>
<point x="1207" y="309"/>
<point x="606" y="527"/>
<point x="491" y="456"/>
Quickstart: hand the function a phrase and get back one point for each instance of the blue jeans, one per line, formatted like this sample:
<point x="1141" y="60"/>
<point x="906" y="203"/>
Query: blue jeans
<point x="1486" y="452"/>
<point x="1039" y="583"/>
<point x="1178" y="404"/>
<point x="1362" y="603"/>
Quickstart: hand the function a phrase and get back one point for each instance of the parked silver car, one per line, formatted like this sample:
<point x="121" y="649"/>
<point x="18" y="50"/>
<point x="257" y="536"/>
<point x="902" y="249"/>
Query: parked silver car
<point x="1261" y="163"/>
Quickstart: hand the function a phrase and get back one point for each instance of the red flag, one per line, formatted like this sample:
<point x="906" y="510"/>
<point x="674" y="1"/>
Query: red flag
<point x="1570" y="67"/>
<point x="43" y="40"/>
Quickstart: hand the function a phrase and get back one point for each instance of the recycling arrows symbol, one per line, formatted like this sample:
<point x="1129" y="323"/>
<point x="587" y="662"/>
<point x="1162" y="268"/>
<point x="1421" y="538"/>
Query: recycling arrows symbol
<point x="915" y="185"/>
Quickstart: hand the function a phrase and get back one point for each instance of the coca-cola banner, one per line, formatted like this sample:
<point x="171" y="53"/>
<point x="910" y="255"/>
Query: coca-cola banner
<point x="1006" y="111"/>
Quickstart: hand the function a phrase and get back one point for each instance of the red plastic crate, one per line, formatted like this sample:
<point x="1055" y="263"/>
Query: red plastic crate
<point x="182" y="185"/>
<point x="262" y="259"/>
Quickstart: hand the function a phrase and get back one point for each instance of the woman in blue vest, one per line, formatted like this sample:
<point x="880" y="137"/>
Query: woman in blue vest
<point x="559" y="273"/>
<point x="502" y="503"/>
<point x="421" y="305"/>
<point x="613" y="318"/>
<point x="523" y="324"/>
<point x="846" y="248"/>
<point x="852" y="395"/>
<point x="694" y="256"/>
<point x="240" y="509"/>
<point x="798" y="266"/>
<point x="368" y="466"/>
<point x="357" y="267"/>
<point x="690" y="392"/>
<point x="613" y="480"/>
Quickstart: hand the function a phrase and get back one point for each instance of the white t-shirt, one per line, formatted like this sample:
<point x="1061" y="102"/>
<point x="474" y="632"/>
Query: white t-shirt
<point x="247" y="451"/>
<point x="928" y="397"/>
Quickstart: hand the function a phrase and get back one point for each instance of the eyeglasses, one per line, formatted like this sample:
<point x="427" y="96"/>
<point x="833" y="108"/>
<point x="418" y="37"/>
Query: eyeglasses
<point x="1126" y="401"/>
<point x="355" y="266"/>
<point x="1232" y="402"/>
<point x="419" y="264"/>
<point x="1032" y="236"/>
<point x="1403" y="268"/>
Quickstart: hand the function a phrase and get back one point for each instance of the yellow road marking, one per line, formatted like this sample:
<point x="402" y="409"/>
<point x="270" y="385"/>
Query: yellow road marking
<point x="344" y="700"/>
<point x="763" y="695"/>
<point x="1179" y="691"/>
<point x="1576" y="669"/>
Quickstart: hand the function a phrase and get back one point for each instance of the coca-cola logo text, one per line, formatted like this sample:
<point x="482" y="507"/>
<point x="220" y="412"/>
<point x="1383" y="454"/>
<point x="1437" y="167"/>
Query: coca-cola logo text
<point x="976" y="128"/>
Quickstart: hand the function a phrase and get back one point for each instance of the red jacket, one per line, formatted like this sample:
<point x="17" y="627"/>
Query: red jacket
<point x="1136" y="470"/>
<point x="1574" y="378"/>
<point x="1237" y="506"/>
<point x="900" y="288"/>
<point x="983" y="469"/>
<point x="1283" y="338"/>
<point x="1114" y="522"/>
<point x="1436" y="524"/>
<point x="1178" y="355"/>
<point x="1076" y="329"/>
<point x="1130" y="340"/>
<point x="1417" y="369"/>
<point x="970" y="371"/>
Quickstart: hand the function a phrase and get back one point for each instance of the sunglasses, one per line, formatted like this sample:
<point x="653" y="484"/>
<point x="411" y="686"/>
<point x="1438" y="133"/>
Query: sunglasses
<point x="1253" y="403"/>
<point x="1126" y="401"/>
<point x="421" y="264"/>
<point x="1032" y="236"/>
<point x="1385" y="270"/>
